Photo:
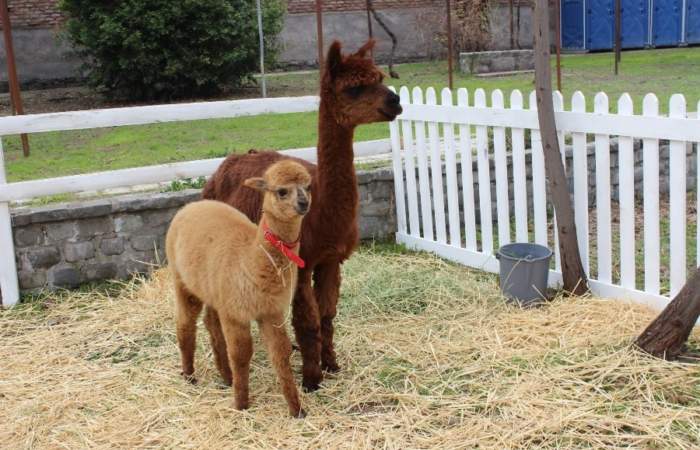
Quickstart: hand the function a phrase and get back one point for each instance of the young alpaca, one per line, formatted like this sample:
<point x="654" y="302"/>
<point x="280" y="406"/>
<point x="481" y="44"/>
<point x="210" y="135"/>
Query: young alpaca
<point x="241" y="272"/>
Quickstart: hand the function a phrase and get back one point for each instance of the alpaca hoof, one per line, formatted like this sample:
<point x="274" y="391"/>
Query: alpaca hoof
<point x="189" y="378"/>
<point x="311" y="386"/>
<point x="241" y="406"/>
<point x="301" y="414"/>
<point x="330" y="367"/>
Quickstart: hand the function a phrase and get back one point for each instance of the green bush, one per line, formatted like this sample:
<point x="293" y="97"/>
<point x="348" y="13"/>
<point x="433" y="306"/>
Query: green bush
<point x="164" y="49"/>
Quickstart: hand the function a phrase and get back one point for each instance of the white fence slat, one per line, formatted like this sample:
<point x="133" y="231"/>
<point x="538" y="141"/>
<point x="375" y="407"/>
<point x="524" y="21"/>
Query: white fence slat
<point x="519" y="173"/>
<point x="677" y="174"/>
<point x="626" y="186"/>
<point x="9" y="285"/>
<point x="501" y="168"/>
<point x="558" y="106"/>
<point x="539" y="186"/>
<point x="603" y="209"/>
<point x="448" y="133"/>
<point x="466" y="160"/>
<point x="397" y="166"/>
<point x="580" y="170"/>
<point x="650" y="171"/>
<point x="143" y="115"/>
<point x="410" y="164"/>
<point x="436" y="171"/>
<point x="426" y="203"/>
<point x="482" y="152"/>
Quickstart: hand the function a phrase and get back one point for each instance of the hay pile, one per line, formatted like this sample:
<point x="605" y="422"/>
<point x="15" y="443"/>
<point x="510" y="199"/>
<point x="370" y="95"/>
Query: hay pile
<point x="431" y="358"/>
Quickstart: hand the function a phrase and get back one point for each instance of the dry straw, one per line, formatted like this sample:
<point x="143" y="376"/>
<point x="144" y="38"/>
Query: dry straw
<point x="431" y="356"/>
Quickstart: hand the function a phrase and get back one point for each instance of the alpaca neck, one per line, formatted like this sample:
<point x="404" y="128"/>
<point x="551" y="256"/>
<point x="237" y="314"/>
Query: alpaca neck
<point x="287" y="231"/>
<point x="337" y="183"/>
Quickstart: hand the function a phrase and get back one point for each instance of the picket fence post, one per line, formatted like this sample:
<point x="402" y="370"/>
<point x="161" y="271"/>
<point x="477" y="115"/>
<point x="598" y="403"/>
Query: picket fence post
<point x="9" y="286"/>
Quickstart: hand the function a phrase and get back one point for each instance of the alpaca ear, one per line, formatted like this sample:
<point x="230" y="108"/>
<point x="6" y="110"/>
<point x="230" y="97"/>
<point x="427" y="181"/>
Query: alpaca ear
<point x="256" y="183"/>
<point x="334" y="59"/>
<point x="369" y="45"/>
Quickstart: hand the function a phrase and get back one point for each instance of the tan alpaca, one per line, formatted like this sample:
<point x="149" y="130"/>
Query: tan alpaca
<point x="222" y="260"/>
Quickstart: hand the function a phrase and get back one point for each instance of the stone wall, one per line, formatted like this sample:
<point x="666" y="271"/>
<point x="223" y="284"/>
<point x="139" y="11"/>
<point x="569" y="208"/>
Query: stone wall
<point x="65" y="245"/>
<point x="496" y="61"/>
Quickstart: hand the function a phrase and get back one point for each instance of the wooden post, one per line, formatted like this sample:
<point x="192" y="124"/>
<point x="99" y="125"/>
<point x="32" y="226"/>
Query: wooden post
<point x="558" y="12"/>
<point x="618" y="32"/>
<point x="449" y="42"/>
<point x="319" y="34"/>
<point x="369" y="24"/>
<point x="666" y="336"/>
<point x="12" y="79"/>
<point x="575" y="280"/>
<point x="262" y="49"/>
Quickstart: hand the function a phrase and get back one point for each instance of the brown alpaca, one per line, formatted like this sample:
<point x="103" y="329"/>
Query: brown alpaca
<point x="241" y="272"/>
<point x="352" y="93"/>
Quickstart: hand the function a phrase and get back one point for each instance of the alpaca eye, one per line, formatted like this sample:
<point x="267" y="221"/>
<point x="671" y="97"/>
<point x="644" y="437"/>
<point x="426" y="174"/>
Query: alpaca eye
<point x="282" y="192"/>
<point x="354" y="91"/>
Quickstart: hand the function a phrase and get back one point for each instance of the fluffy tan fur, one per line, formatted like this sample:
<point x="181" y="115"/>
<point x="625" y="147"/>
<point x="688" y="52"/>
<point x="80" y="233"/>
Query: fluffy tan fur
<point x="221" y="261"/>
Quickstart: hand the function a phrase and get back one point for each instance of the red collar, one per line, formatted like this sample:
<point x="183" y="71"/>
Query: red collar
<point x="285" y="247"/>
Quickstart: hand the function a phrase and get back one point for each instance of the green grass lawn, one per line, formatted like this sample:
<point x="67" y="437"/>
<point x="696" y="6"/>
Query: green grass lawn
<point x="54" y="154"/>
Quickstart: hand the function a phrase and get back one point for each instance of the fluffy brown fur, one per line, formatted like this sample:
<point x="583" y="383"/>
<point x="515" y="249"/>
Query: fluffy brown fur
<point x="221" y="260"/>
<point x="352" y="93"/>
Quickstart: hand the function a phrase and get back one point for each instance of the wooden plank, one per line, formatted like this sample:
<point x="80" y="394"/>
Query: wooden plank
<point x="539" y="185"/>
<point x="652" y="247"/>
<point x="397" y="166"/>
<point x="436" y="172"/>
<point x="142" y="115"/>
<point x="677" y="187"/>
<point x="156" y="174"/>
<point x="603" y="207"/>
<point x="626" y="186"/>
<point x="409" y="158"/>
<point x="426" y="204"/>
<point x="639" y="126"/>
<point x="448" y="134"/>
<point x="501" y="169"/>
<point x="466" y="160"/>
<point x="482" y="155"/>
<point x="519" y="173"/>
<point x="580" y="170"/>
<point x="9" y="285"/>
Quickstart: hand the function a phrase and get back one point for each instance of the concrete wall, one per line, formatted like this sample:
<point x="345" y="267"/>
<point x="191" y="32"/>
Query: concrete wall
<point x="41" y="56"/>
<point x="64" y="245"/>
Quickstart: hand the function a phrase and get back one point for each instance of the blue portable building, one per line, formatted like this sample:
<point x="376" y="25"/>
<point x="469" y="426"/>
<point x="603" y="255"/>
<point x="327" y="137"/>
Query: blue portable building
<point x="590" y="24"/>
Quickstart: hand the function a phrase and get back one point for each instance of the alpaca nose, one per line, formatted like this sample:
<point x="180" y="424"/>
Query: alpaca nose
<point x="302" y="205"/>
<point x="393" y="100"/>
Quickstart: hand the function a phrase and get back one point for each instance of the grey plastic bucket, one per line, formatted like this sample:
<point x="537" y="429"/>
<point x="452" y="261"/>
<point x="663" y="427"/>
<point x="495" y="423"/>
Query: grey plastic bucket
<point x="524" y="270"/>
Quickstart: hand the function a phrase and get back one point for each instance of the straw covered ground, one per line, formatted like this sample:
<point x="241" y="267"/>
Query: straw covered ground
<point x="431" y="356"/>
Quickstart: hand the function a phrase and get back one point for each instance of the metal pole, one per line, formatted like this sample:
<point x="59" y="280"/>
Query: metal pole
<point x="449" y="42"/>
<point x="558" y="37"/>
<point x="618" y="26"/>
<point x="319" y="33"/>
<point x="15" y="96"/>
<point x="262" y="50"/>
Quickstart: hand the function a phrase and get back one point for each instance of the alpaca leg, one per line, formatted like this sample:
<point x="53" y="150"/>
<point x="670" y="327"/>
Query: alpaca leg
<point x="280" y="349"/>
<point x="187" y="308"/>
<point x="218" y="343"/>
<point x="307" y="326"/>
<point x="240" y="349"/>
<point x="327" y="290"/>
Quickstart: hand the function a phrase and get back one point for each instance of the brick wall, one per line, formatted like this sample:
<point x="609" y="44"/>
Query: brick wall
<point x="34" y="13"/>
<point x="306" y="6"/>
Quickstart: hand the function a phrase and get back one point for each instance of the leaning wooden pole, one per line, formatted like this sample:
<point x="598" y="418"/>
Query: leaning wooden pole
<point x="575" y="280"/>
<point x="450" y="50"/>
<point x="665" y="337"/>
<point x="319" y="34"/>
<point x="12" y="78"/>
<point x="618" y="32"/>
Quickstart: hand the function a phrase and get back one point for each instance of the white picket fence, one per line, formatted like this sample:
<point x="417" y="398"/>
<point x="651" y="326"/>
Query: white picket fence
<point x="434" y="145"/>
<point x="114" y="117"/>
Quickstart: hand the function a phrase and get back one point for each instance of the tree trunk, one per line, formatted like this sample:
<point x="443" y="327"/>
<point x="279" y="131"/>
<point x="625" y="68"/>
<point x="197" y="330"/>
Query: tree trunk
<point x="575" y="280"/>
<point x="666" y="336"/>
